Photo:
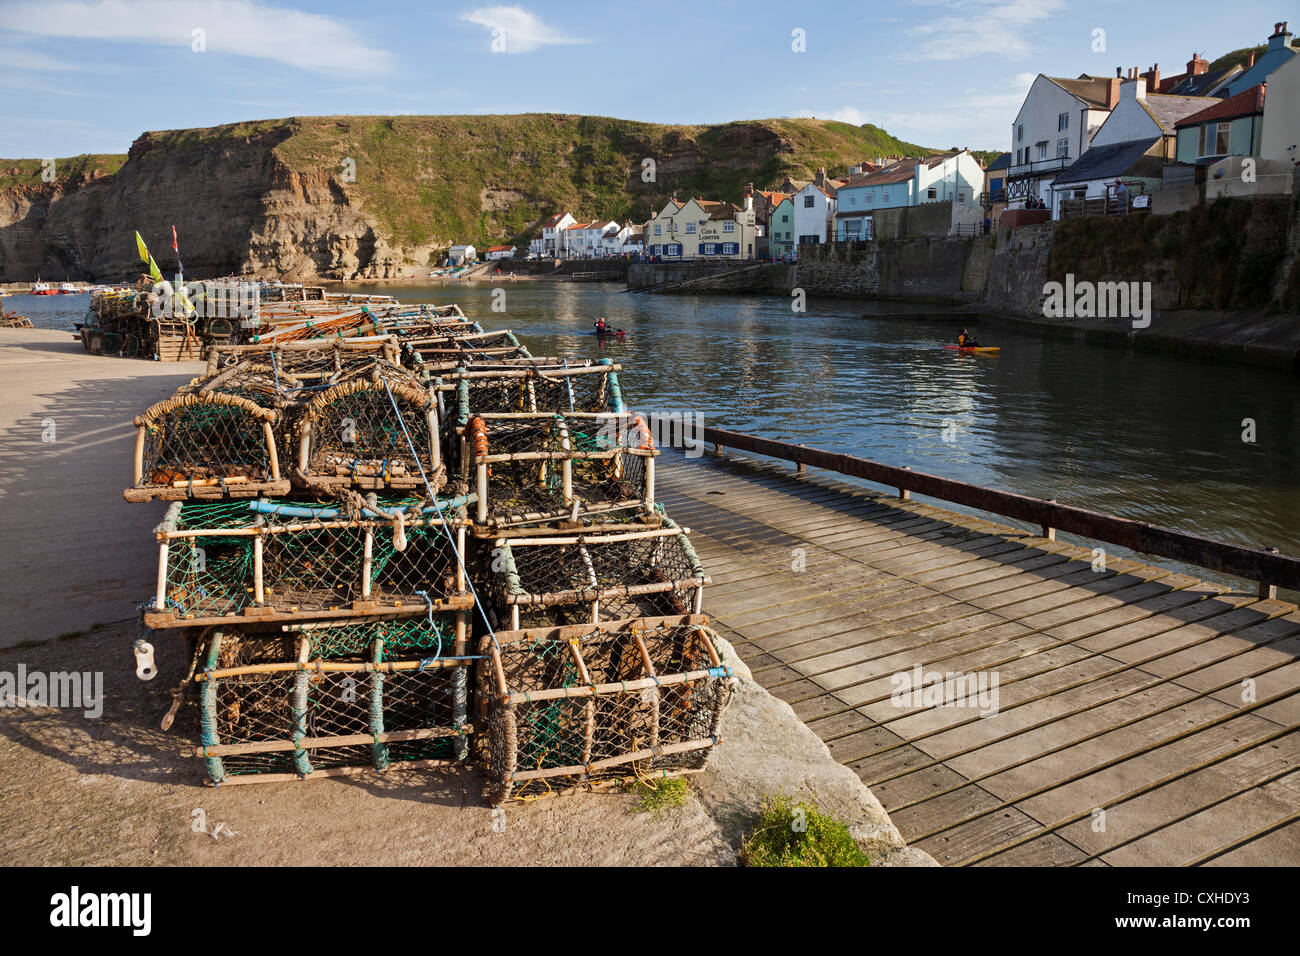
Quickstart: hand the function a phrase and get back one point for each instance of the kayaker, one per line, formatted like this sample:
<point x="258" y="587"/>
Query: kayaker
<point x="601" y="327"/>
<point x="966" y="340"/>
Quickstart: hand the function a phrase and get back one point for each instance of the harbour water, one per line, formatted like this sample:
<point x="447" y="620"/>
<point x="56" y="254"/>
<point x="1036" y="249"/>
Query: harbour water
<point x="1145" y="435"/>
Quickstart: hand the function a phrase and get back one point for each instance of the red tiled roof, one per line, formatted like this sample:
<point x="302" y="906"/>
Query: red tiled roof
<point x="553" y="221"/>
<point x="1245" y="103"/>
<point x="500" y="248"/>
<point x="899" y="172"/>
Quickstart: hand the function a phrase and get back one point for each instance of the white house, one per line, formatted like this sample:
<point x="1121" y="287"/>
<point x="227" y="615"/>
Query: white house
<point x="1055" y="127"/>
<point x="500" y="252"/>
<point x="585" y="240"/>
<point x="459" y="255"/>
<point x="552" y="231"/>
<point x="1280" y="129"/>
<point x="814" y="214"/>
<point x="955" y="177"/>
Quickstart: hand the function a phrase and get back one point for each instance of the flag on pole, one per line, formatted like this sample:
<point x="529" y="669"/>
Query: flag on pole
<point x="177" y="249"/>
<point x="154" y="272"/>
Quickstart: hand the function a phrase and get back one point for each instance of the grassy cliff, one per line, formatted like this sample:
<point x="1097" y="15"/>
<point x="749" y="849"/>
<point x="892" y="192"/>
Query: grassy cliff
<point x="491" y="178"/>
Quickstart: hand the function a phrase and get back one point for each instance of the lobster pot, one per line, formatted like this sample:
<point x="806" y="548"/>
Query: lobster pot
<point x="528" y="468"/>
<point x="213" y="439"/>
<point x="566" y="706"/>
<point x="565" y="578"/>
<point x="311" y="361"/>
<point x="486" y="388"/>
<point x="438" y="349"/>
<point x="270" y="560"/>
<point x="329" y="698"/>
<point x="375" y="430"/>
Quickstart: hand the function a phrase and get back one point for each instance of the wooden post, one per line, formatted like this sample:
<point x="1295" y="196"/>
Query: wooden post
<point x="160" y="602"/>
<point x="482" y="492"/>
<point x="259" y="586"/>
<point x="1048" y="532"/>
<point x="139" y="456"/>
<point x="800" y="467"/>
<point x="435" y="440"/>
<point x="273" y="454"/>
<point x="650" y="483"/>
<point x="367" y="556"/>
<point x="1268" y="592"/>
<point x="905" y="494"/>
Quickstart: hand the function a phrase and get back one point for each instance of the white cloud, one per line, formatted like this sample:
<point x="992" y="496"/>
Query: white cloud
<point x="30" y="61"/>
<point x="308" y="41"/>
<point x="522" y="30"/>
<point x="980" y="28"/>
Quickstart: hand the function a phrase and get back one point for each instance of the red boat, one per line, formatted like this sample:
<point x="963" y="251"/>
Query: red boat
<point x="43" y="288"/>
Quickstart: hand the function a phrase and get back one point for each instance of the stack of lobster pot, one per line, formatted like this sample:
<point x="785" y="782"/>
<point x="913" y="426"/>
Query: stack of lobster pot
<point x="311" y="561"/>
<point x="597" y="663"/>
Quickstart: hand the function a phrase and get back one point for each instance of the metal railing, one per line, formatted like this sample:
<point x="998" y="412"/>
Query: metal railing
<point x="1038" y="166"/>
<point x="1267" y="566"/>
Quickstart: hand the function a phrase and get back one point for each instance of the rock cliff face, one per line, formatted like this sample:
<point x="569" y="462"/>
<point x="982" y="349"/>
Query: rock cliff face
<point x="375" y="197"/>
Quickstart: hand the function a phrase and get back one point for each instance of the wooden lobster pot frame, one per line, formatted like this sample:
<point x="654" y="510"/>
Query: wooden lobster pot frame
<point x="527" y="385"/>
<point x="377" y="429"/>
<point x="264" y="561"/>
<point x="565" y="706"/>
<point x="551" y="577"/>
<point x="216" y="438"/>
<point x="326" y="699"/>
<point x="527" y="468"/>
<point x="311" y="360"/>
<point x="481" y="346"/>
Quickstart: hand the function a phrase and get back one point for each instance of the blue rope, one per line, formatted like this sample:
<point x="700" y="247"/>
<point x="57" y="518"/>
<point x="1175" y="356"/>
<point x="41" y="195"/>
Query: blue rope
<point x="460" y="560"/>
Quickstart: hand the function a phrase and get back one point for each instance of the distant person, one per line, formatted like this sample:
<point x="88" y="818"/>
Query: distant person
<point x="988" y="224"/>
<point x="966" y="340"/>
<point x="601" y="326"/>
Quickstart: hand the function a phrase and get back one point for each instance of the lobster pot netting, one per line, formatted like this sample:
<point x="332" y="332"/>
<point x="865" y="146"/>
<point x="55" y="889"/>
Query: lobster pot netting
<point x="561" y="707"/>
<point x="308" y="362"/>
<point x="275" y="559"/>
<point x="217" y="437"/>
<point x="573" y="579"/>
<point x="533" y="468"/>
<point x="499" y="387"/>
<point x="486" y="346"/>
<point x="376" y="429"/>
<point x="370" y="695"/>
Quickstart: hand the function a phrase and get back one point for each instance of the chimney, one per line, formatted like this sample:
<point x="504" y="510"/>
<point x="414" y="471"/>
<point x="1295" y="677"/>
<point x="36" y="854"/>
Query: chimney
<point x="1251" y="61"/>
<point x="820" y="178"/>
<point x="1196" y="66"/>
<point x="1134" y="88"/>
<point x="1112" y="90"/>
<point x="1152" y="76"/>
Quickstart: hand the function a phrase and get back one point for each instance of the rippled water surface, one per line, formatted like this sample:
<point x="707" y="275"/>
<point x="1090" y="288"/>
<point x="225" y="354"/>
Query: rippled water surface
<point x="1145" y="435"/>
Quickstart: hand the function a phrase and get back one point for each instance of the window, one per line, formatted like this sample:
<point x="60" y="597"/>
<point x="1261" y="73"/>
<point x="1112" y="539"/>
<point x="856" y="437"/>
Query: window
<point x="932" y="193"/>
<point x="728" y="226"/>
<point x="871" y="195"/>
<point x="785" y="218"/>
<point x="1214" y="139"/>
<point x="690" y="227"/>
<point x="852" y="200"/>
<point x="808" y="201"/>
<point x="884" y="196"/>
<point x="1063" y="121"/>
<point x="852" y="227"/>
<point x="731" y="248"/>
<point x="673" y="249"/>
<point x="658" y="229"/>
<point x="1020" y="133"/>
<point x="1042" y="149"/>
<point x="708" y="248"/>
<point x="1063" y="146"/>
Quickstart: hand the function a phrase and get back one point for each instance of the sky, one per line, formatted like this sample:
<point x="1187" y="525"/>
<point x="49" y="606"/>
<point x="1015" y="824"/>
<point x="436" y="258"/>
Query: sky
<point x="90" y="76"/>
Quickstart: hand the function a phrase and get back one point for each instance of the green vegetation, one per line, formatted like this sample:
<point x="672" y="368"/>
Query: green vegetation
<point x="796" y="834"/>
<point x="659" y="795"/>
<point x="1226" y="254"/>
<point x="27" y="172"/>
<point x="1240" y="57"/>
<point x="488" y="179"/>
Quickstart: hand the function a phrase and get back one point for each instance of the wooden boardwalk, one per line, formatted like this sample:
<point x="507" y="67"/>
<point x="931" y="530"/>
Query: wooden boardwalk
<point x="1143" y="717"/>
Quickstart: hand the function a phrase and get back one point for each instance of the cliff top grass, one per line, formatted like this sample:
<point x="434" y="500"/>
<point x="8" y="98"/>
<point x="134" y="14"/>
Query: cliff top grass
<point x="27" y="172"/>
<point x="482" y="179"/>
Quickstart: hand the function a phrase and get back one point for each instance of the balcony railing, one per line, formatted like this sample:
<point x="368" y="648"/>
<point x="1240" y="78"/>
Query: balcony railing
<point x="1038" y="167"/>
